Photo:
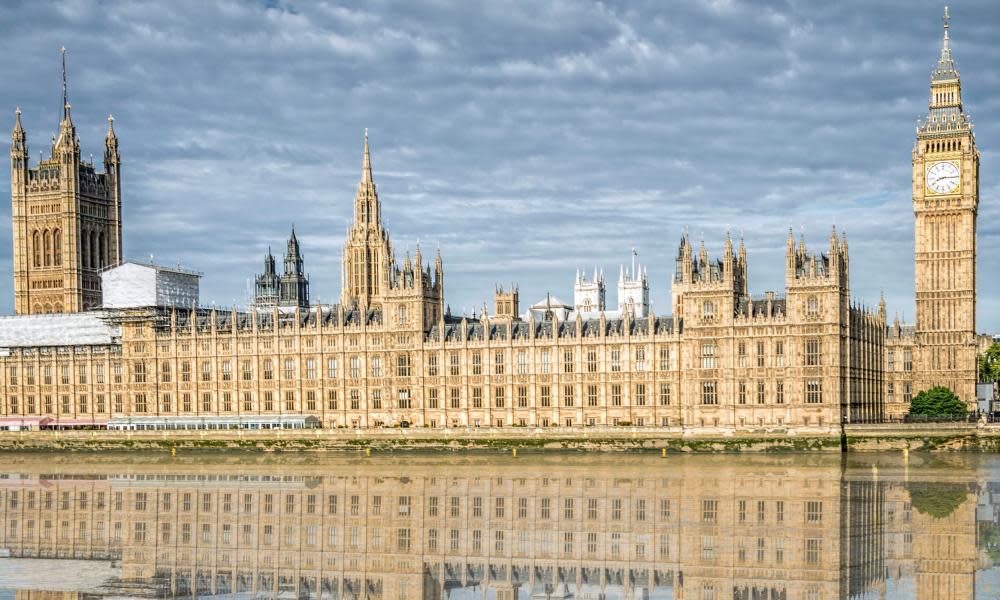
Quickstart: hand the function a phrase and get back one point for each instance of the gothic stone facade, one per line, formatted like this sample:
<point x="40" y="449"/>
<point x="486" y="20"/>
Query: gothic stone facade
<point x="67" y="220"/>
<point x="390" y="352"/>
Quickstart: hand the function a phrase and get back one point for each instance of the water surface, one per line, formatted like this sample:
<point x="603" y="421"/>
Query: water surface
<point x="539" y="526"/>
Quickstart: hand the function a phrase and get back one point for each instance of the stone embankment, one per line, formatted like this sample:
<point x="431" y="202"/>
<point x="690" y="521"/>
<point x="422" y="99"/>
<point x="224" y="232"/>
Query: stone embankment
<point x="507" y="439"/>
<point x="923" y="436"/>
<point x="917" y="437"/>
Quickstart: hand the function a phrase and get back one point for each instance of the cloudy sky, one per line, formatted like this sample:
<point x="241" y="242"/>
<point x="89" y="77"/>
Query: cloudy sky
<point x="525" y="139"/>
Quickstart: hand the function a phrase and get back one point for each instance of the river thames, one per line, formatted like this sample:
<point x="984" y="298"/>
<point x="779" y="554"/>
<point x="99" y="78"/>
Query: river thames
<point x="491" y="526"/>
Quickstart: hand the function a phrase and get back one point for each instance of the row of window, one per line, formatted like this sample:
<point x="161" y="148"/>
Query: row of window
<point x="617" y="395"/>
<point x="498" y="507"/>
<point x="403" y="367"/>
<point x="48" y="374"/>
<point x="811" y="308"/>
<point x="811" y="356"/>
<point x="813" y="392"/>
<point x="353" y="537"/>
<point x="546" y="397"/>
<point x="890" y="359"/>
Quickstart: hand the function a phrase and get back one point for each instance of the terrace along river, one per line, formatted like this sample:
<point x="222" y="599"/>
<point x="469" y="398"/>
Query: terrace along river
<point x="471" y="526"/>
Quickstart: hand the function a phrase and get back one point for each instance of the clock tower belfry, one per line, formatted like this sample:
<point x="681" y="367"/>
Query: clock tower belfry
<point x="945" y="204"/>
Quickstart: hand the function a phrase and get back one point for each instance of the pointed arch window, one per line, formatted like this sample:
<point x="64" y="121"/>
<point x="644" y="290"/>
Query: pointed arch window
<point x="57" y="247"/>
<point x="36" y="248"/>
<point x="94" y="259"/>
<point x="103" y="247"/>
<point x="85" y="249"/>
<point x="47" y="241"/>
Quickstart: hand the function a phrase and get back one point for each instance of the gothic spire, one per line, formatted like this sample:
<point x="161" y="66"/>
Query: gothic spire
<point x="66" y="141"/>
<point x="269" y="262"/>
<point x="945" y="69"/>
<point x="110" y="146"/>
<point x="293" y="257"/>
<point x="17" y="137"/>
<point x="65" y="90"/>
<point x="293" y="244"/>
<point x="18" y="143"/>
<point x="366" y="164"/>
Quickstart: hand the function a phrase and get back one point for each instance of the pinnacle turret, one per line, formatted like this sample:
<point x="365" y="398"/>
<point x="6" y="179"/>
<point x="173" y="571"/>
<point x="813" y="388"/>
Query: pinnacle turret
<point x="18" y="139"/>
<point x="17" y="121"/>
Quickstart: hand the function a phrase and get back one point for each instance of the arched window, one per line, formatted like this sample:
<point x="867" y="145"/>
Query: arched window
<point x="103" y="246"/>
<point x="57" y="247"/>
<point x="47" y="237"/>
<point x="36" y="248"/>
<point x="812" y="306"/>
<point x="58" y="307"/>
<point x="94" y="260"/>
<point x="85" y="249"/>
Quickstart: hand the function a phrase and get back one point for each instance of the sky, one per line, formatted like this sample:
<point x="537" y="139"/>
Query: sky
<point x="525" y="140"/>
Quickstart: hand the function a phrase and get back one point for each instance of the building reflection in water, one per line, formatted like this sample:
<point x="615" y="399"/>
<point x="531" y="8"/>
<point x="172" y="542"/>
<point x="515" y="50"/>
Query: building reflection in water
<point x="606" y="528"/>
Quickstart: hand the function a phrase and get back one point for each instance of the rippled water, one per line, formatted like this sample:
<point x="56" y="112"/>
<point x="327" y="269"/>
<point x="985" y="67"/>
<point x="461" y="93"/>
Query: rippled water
<point x="539" y="526"/>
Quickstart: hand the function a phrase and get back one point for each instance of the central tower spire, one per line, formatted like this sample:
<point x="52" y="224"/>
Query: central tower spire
<point x="367" y="252"/>
<point x="366" y="164"/>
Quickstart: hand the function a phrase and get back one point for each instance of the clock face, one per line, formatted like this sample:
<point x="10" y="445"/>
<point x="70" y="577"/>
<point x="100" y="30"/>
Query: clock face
<point x="942" y="177"/>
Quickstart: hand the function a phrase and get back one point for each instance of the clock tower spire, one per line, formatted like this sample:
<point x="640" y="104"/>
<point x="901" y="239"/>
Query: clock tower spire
<point x="945" y="206"/>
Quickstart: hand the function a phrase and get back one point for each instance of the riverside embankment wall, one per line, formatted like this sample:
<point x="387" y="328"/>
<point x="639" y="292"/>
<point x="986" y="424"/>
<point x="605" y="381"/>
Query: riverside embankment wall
<point x="561" y="438"/>
<point x="860" y="438"/>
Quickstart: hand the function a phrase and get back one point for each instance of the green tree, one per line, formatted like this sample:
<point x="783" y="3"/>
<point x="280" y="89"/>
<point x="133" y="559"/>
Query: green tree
<point x="989" y="363"/>
<point x="937" y="500"/>
<point x="937" y="402"/>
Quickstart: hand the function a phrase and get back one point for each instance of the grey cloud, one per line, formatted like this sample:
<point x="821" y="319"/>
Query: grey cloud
<point x="527" y="139"/>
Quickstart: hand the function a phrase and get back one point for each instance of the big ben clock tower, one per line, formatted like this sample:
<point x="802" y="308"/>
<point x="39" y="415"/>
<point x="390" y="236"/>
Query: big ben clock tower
<point x="945" y="203"/>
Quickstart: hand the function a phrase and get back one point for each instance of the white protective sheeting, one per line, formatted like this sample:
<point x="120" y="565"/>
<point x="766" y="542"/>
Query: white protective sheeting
<point x="68" y="329"/>
<point x="56" y="575"/>
<point x="134" y="285"/>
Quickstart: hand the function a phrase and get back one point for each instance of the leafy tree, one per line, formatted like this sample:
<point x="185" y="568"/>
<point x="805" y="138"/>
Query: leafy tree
<point x="989" y="364"/>
<point x="937" y="402"/>
<point x="937" y="500"/>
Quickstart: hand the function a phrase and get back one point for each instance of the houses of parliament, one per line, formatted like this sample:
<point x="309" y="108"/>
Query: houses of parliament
<point x="97" y="340"/>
